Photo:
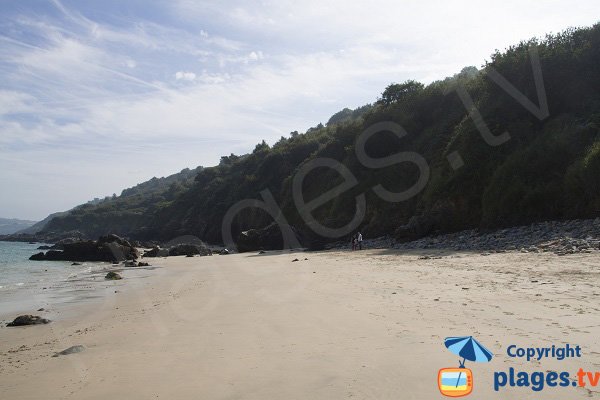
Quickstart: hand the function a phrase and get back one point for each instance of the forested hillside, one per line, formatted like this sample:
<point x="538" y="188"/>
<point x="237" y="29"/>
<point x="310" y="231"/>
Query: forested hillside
<point x="549" y="168"/>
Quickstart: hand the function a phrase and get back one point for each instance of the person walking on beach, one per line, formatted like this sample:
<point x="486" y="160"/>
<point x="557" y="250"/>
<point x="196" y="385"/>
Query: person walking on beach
<point x="359" y="239"/>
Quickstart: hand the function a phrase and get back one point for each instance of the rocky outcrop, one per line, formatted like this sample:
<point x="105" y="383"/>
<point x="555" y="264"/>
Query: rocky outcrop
<point x="24" y="320"/>
<point x="156" y="252"/>
<point x="267" y="238"/>
<point x="109" y="248"/>
<point x="189" y="250"/>
<point x="558" y="237"/>
<point x="416" y="227"/>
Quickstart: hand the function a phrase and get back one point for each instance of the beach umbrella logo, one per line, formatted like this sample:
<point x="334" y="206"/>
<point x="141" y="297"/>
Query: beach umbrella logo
<point x="457" y="382"/>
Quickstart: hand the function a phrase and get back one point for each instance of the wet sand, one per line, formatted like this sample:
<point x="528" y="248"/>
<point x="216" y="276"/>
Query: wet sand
<point x="361" y="325"/>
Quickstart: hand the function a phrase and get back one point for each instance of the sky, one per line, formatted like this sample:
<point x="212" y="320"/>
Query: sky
<point x="99" y="95"/>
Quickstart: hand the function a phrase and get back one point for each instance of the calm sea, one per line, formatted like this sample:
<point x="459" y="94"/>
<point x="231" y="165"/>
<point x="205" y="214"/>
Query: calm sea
<point x="27" y="285"/>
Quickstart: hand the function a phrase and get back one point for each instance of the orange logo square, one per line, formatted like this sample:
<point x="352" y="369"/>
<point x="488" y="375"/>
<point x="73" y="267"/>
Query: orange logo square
<point x="455" y="382"/>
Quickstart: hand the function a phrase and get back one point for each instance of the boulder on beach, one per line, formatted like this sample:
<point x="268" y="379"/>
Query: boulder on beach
<point x="24" y="320"/>
<point x="110" y="248"/>
<point x="113" y="276"/>
<point x="156" y="252"/>
<point x="189" y="250"/>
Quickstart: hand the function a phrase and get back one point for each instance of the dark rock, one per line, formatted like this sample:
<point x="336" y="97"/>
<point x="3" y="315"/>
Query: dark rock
<point x="70" y="350"/>
<point x="109" y="248"/>
<point x="113" y="276"/>
<point x="41" y="309"/>
<point x="114" y="239"/>
<point x="76" y="263"/>
<point x="295" y="259"/>
<point x="417" y="227"/>
<point x="38" y="257"/>
<point x="268" y="238"/>
<point x="262" y="252"/>
<point x="153" y="252"/>
<point x="44" y="247"/>
<point x="189" y="250"/>
<point x="143" y="264"/>
<point x="224" y="252"/>
<point x="23" y="320"/>
<point x="156" y="252"/>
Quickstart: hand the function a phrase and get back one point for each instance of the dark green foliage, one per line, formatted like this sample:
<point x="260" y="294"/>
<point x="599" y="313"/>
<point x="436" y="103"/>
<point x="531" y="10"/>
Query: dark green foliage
<point x="549" y="169"/>
<point x="397" y="92"/>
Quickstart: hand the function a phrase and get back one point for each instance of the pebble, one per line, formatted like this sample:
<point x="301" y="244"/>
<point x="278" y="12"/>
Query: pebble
<point x="559" y="237"/>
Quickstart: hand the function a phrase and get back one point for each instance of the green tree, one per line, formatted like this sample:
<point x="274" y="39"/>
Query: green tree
<point x="398" y="91"/>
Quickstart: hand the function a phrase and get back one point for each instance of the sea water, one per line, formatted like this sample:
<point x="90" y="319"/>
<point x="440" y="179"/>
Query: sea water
<point x="28" y="285"/>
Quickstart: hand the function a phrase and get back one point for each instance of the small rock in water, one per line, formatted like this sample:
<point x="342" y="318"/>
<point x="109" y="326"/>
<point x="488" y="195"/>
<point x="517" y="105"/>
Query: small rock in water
<point x="41" y="309"/>
<point x="76" y="263"/>
<point x="143" y="264"/>
<point x="295" y="259"/>
<point x="23" y="320"/>
<point x="113" y="276"/>
<point x="71" y="350"/>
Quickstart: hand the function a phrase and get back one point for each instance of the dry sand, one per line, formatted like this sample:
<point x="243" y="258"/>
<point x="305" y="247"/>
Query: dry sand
<point x="340" y="325"/>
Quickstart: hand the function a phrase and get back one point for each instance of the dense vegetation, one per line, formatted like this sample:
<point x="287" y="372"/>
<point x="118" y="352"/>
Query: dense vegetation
<point x="549" y="169"/>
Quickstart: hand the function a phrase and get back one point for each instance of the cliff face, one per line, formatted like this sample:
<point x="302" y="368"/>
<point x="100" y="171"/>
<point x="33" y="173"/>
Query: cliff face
<point x="495" y="156"/>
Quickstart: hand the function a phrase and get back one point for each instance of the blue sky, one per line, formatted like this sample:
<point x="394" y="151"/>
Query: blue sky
<point x="97" y="96"/>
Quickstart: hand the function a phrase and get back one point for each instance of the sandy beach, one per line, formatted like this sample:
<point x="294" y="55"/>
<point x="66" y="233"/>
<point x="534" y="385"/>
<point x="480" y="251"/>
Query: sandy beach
<point x="332" y="325"/>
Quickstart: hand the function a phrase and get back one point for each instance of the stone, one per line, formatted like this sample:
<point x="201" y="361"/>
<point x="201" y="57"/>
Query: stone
<point x="70" y="350"/>
<point x="24" y="320"/>
<point x="113" y="276"/>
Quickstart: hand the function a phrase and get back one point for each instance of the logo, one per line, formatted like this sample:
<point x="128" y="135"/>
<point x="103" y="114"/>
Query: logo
<point x="455" y="382"/>
<point x="458" y="382"/>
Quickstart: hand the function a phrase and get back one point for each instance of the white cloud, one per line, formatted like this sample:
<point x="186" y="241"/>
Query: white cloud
<point x="186" y="76"/>
<point x="256" y="55"/>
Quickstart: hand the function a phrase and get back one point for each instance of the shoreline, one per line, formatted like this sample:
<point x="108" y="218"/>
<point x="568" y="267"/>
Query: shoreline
<point x="364" y="324"/>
